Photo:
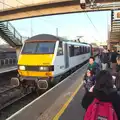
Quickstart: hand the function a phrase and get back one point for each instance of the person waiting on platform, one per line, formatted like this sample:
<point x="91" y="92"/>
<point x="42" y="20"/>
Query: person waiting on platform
<point x="113" y="60"/>
<point x="117" y="74"/>
<point x="104" y="91"/>
<point x="93" y="66"/>
<point x="104" y="59"/>
<point x="88" y="80"/>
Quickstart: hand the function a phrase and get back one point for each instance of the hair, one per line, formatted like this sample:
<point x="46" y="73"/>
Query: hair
<point x="92" y="58"/>
<point x="118" y="59"/>
<point x="104" y="81"/>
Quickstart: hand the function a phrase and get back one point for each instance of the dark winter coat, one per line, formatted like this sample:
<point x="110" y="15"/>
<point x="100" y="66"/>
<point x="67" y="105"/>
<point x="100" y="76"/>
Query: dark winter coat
<point x="113" y="97"/>
<point x="95" y="68"/>
<point x="117" y="80"/>
<point x="117" y="68"/>
<point x="104" y="58"/>
<point x="113" y="57"/>
<point x="88" y="82"/>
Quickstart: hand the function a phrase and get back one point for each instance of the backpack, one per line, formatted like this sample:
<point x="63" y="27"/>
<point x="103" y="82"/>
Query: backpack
<point x="105" y="58"/>
<point x="100" y="111"/>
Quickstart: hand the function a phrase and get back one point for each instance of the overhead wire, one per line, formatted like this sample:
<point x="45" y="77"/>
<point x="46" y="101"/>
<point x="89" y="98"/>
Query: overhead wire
<point x="92" y="24"/>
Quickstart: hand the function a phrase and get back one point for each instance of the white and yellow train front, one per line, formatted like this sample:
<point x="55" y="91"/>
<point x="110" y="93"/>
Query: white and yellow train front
<point x="44" y="58"/>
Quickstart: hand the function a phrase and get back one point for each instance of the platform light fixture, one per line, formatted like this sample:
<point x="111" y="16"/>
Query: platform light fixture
<point x="83" y="4"/>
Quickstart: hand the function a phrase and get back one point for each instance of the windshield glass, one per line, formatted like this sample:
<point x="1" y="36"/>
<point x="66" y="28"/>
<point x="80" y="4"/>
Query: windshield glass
<point x="39" y="48"/>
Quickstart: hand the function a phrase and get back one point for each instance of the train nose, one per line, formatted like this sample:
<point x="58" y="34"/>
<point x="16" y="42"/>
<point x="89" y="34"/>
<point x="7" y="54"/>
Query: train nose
<point x="42" y="84"/>
<point x="15" y="82"/>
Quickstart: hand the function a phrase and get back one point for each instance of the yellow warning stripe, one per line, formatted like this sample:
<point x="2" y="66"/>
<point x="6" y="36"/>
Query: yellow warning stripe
<point x="67" y="103"/>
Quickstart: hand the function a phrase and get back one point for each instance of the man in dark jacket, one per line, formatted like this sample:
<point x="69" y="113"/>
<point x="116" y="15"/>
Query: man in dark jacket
<point x="113" y="60"/>
<point x="104" y="59"/>
<point x="117" y="81"/>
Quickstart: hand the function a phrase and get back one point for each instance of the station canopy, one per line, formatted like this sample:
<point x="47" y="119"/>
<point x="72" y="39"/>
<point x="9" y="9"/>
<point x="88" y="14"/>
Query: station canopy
<point x="115" y="27"/>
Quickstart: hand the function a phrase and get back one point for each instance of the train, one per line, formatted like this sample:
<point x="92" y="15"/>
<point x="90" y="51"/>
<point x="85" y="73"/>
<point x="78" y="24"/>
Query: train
<point x="8" y="57"/>
<point x="46" y="59"/>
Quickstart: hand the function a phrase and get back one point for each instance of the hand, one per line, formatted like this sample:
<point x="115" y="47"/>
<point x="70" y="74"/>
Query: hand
<point x="91" y="89"/>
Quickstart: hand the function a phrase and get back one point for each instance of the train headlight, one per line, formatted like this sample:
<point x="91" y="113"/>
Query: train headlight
<point x="44" y="68"/>
<point x="22" y="67"/>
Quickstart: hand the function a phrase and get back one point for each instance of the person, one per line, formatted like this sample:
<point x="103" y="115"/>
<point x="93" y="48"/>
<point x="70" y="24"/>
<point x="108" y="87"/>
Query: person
<point x="113" y="60"/>
<point x="104" y="59"/>
<point x="117" y="80"/>
<point x="93" y="66"/>
<point x="109" y="56"/>
<point x="104" y="91"/>
<point x="89" y="80"/>
<point x="118" y="52"/>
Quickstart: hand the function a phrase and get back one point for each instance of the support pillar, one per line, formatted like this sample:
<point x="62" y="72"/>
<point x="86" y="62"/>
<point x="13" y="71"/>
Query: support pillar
<point x="18" y="49"/>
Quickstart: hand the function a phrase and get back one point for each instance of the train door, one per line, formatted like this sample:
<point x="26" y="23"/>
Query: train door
<point x="66" y="55"/>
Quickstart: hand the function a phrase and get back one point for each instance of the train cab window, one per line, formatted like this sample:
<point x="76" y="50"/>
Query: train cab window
<point x="29" y="48"/>
<point x="39" y="48"/>
<point x="71" y="50"/>
<point x="60" y="49"/>
<point x="45" y="48"/>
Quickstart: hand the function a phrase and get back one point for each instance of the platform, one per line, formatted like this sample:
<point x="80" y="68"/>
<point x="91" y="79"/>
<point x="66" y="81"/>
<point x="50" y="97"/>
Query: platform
<point x="74" y="110"/>
<point x="8" y="69"/>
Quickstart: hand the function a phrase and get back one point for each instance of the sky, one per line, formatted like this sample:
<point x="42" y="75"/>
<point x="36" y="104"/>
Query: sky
<point x="69" y="25"/>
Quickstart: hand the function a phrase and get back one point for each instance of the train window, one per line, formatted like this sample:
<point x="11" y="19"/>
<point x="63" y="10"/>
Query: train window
<point x="71" y="50"/>
<point x="60" y="49"/>
<point x="2" y="62"/>
<point x="29" y="48"/>
<point x="6" y="61"/>
<point x="83" y="50"/>
<point x="76" y="50"/>
<point x="39" y="48"/>
<point x="87" y="49"/>
<point x="45" y="48"/>
<point x="80" y="49"/>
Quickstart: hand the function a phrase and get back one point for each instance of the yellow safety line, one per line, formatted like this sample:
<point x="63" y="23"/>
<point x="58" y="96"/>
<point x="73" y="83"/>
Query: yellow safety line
<point x="67" y="103"/>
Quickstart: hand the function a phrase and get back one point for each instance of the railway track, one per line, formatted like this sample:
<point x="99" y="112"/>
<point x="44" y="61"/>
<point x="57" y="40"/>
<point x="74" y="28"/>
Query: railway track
<point x="15" y="104"/>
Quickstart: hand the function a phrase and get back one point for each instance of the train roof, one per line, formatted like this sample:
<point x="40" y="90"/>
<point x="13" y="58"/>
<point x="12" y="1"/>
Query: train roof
<point x="49" y="37"/>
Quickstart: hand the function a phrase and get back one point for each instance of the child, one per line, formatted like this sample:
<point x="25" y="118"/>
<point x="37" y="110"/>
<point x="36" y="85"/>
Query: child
<point x="89" y="80"/>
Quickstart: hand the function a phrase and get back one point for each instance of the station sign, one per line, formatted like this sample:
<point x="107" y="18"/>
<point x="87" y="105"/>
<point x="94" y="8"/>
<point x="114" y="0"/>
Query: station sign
<point x="116" y="15"/>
